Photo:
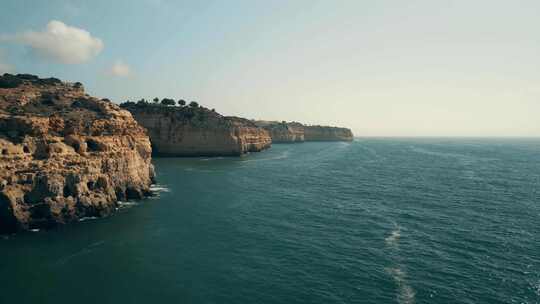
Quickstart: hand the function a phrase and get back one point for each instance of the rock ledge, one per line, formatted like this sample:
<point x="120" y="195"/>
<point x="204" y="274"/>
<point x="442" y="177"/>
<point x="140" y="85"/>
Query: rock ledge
<point x="65" y="155"/>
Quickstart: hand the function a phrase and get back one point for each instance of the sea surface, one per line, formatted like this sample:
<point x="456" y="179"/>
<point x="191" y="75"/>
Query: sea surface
<point x="372" y="221"/>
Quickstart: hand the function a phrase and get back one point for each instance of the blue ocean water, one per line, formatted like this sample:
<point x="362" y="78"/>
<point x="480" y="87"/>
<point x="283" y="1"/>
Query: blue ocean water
<point x="372" y="221"/>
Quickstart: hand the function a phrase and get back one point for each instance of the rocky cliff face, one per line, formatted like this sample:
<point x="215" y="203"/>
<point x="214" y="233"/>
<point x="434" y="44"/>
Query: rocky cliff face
<point x="290" y="132"/>
<point x="283" y="132"/>
<point x="324" y="133"/>
<point x="65" y="155"/>
<point x="197" y="131"/>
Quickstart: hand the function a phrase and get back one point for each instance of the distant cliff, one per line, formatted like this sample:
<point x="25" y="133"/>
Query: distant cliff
<point x="290" y="132"/>
<point x="325" y="133"/>
<point x="65" y="155"/>
<point x="283" y="132"/>
<point x="197" y="131"/>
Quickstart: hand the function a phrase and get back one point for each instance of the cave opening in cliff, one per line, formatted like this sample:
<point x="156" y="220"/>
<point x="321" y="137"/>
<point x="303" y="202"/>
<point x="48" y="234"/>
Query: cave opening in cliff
<point x="92" y="146"/>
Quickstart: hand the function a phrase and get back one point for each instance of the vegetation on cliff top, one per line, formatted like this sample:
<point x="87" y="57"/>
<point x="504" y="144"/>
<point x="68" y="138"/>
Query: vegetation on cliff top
<point x="192" y="113"/>
<point x="9" y="81"/>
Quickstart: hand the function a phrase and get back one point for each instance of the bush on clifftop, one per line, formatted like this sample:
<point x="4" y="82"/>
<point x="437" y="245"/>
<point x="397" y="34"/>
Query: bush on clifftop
<point x="168" y="102"/>
<point x="9" y="81"/>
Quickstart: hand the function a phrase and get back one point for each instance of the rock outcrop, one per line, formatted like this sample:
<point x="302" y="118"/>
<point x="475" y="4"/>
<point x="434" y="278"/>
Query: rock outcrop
<point x="284" y="132"/>
<point x="325" y="133"/>
<point x="65" y="155"/>
<point x="293" y="132"/>
<point x="197" y="131"/>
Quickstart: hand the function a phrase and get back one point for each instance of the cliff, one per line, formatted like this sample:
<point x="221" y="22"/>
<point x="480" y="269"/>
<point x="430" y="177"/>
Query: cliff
<point x="65" y="155"/>
<point x="325" y="133"/>
<point x="283" y="132"/>
<point x="197" y="131"/>
<point x="291" y="132"/>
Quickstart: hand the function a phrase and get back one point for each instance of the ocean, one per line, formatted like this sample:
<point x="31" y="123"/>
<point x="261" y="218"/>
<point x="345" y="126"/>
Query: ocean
<point x="377" y="220"/>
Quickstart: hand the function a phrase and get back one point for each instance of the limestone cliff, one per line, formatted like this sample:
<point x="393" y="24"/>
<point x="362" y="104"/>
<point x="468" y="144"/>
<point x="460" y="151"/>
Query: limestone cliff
<point x="291" y="132"/>
<point x="65" y="155"/>
<point x="197" y="131"/>
<point x="283" y="132"/>
<point x="325" y="133"/>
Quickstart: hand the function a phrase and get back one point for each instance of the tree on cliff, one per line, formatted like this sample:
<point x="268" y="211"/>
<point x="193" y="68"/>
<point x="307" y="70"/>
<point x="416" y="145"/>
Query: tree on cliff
<point x="168" y="102"/>
<point x="9" y="81"/>
<point x="181" y="102"/>
<point x="194" y="104"/>
<point x="156" y="100"/>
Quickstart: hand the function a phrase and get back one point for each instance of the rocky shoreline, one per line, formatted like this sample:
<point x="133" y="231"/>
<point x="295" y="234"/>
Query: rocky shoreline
<point x="193" y="130"/>
<point x="65" y="155"/>
<point x="295" y="132"/>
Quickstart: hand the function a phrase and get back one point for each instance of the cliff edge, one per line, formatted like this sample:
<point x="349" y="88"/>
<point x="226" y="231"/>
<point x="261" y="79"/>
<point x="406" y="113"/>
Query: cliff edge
<point x="197" y="131"/>
<point x="293" y="132"/>
<point x="326" y="133"/>
<point x="65" y="155"/>
<point x="284" y="132"/>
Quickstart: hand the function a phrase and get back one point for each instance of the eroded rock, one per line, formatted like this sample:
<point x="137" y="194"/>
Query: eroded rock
<point x="197" y="131"/>
<point x="292" y="132"/>
<point x="65" y="155"/>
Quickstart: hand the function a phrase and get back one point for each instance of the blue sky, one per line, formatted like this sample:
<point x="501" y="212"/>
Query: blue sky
<point x="390" y="68"/>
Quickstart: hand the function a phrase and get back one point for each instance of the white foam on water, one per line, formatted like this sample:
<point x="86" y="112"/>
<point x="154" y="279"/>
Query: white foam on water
<point x="87" y="218"/>
<point x="394" y="236"/>
<point x="211" y="158"/>
<point x="159" y="188"/>
<point x="126" y="204"/>
<point x="406" y="294"/>
<point x="34" y="230"/>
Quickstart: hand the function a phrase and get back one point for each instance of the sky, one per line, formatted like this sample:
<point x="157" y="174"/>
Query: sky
<point x="381" y="68"/>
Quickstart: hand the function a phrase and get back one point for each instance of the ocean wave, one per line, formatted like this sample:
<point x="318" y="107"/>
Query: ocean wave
<point x="159" y="188"/>
<point x="126" y="204"/>
<point x="87" y="218"/>
<point x="440" y="154"/>
<point x="394" y="236"/>
<point x="211" y="158"/>
<point x="406" y="294"/>
<point x="283" y="155"/>
<point x="84" y="251"/>
<point x="464" y="158"/>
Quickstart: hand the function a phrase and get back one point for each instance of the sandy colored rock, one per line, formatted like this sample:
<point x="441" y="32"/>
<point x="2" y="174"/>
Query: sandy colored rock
<point x="65" y="155"/>
<point x="293" y="132"/>
<point x="326" y="133"/>
<point x="197" y="131"/>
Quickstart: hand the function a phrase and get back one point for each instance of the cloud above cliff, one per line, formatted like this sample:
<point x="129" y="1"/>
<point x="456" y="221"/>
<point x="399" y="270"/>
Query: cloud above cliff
<point x="60" y="43"/>
<point x="120" y="69"/>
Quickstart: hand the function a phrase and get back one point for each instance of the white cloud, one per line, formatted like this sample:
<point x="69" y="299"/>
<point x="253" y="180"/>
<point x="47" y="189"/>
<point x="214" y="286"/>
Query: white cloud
<point x="61" y="43"/>
<point x="120" y="69"/>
